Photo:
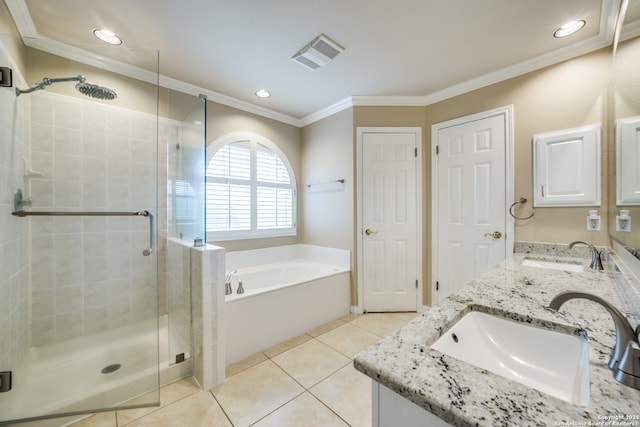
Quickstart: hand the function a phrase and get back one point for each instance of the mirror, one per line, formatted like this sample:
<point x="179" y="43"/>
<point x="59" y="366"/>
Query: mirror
<point x="624" y="104"/>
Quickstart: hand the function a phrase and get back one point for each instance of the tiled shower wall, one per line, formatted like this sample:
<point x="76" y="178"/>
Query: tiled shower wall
<point x="89" y="273"/>
<point x="15" y="299"/>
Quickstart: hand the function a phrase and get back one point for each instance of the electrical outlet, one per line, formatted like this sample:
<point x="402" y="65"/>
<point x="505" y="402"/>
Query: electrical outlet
<point x="593" y="223"/>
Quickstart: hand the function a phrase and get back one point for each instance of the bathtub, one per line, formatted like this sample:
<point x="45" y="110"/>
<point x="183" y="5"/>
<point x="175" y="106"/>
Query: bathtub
<point x="288" y="290"/>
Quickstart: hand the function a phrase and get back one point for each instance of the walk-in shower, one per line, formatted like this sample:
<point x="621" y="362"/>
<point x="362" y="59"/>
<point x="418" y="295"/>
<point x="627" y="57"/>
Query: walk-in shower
<point x="84" y="300"/>
<point x="90" y="89"/>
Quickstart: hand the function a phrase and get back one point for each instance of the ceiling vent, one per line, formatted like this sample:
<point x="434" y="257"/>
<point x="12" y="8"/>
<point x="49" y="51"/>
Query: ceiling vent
<point x="318" y="53"/>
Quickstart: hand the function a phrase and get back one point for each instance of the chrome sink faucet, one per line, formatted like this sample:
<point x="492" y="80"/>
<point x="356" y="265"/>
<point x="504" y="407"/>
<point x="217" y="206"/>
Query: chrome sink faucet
<point x="596" y="260"/>
<point x="625" y="357"/>
<point x="227" y="282"/>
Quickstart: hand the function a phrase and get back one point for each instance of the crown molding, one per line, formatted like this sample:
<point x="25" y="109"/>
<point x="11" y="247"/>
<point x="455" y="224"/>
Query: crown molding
<point x="608" y="18"/>
<point x="22" y="18"/>
<point x="406" y="101"/>
<point x="630" y="30"/>
<point x="327" y="111"/>
<point x="229" y="101"/>
<point x="30" y="36"/>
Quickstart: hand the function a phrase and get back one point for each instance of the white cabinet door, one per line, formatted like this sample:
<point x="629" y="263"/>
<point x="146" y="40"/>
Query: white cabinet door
<point x="392" y="410"/>
<point x="567" y="167"/>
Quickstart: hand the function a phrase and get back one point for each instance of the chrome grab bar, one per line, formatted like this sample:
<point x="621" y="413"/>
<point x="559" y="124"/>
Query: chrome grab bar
<point x="148" y="214"/>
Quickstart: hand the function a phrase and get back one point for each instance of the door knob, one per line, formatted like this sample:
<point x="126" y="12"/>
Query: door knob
<point x="369" y="232"/>
<point x="495" y="234"/>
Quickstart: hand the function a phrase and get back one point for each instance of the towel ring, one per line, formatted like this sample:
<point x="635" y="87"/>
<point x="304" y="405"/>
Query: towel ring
<point x="522" y="201"/>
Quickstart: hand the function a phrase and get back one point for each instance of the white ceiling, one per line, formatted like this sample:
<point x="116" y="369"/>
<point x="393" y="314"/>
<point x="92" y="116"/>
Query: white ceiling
<point x="398" y="51"/>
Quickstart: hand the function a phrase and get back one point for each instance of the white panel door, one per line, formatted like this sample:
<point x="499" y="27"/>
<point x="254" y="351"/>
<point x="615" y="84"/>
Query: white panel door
<point x="389" y="221"/>
<point x="471" y="201"/>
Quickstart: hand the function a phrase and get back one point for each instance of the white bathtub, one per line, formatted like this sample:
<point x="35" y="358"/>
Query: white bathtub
<point x="288" y="291"/>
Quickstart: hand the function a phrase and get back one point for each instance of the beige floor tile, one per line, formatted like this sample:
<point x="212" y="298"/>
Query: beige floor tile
<point x="349" y="317"/>
<point x="304" y="411"/>
<point x="244" y="364"/>
<point x="348" y="394"/>
<point x="378" y="323"/>
<point x="287" y="345"/>
<point x="197" y="410"/>
<point x="323" y="329"/>
<point x="311" y="362"/>
<point x="405" y="315"/>
<point x="103" y="419"/>
<point x="168" y="395"/>
<point x="348" y="339"/>
<point x="256" y="392"/>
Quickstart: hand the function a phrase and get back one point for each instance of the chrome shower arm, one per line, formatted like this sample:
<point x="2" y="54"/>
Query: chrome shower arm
<point x="79" y="78"/>
<point x="49" y="81"/>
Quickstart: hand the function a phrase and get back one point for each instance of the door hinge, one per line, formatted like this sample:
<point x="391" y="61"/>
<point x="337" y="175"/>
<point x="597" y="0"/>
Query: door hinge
<point x="437" y="286"/>
<point x="437" y="150"/>
<point x="416" y="283"/>
<point x="415" y="152"/>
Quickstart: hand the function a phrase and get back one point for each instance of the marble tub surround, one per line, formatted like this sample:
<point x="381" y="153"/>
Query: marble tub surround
<point x="464" y="395"/>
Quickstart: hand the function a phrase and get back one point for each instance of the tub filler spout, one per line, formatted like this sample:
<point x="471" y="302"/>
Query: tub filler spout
<point x="227" y="282"/>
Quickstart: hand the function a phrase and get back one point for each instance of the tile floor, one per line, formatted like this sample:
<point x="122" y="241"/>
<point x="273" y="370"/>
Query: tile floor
<point x="306" y="381"/>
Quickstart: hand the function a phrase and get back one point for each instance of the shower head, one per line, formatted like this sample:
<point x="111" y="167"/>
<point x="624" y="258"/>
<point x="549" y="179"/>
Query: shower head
<point x="89" y="89"/>
<point x="96" y="91"/>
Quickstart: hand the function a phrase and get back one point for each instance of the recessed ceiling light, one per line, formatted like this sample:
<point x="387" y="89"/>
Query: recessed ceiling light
<point x="263" y="93"/>
<point x="107" y="36"/>
<point x="569" y="28"/>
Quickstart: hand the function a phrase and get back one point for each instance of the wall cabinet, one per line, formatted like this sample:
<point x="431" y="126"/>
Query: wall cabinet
<point x="567" y="167"/>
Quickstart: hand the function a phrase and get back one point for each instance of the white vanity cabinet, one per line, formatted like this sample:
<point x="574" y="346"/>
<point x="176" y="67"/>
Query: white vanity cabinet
<point x="392" y="410"/>
<point x="567" y="167"/>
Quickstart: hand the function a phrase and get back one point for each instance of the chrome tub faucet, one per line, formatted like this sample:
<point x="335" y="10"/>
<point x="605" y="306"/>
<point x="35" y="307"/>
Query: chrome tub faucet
<point x="227" y="282"/>
<point x="625" y="357"/>
<point x="596" y="260"/>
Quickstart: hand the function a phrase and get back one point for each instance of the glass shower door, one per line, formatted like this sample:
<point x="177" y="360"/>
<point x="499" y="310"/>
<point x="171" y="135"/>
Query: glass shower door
<point x="79" y="276"/>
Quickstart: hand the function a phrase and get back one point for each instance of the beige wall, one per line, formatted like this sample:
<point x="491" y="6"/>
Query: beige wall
<point x="563" y="96"/>
<point x="11" y="39"/>
<point x="132" y="94"/>
<point x="327" y="212"/>
<point x="222" y="120"/>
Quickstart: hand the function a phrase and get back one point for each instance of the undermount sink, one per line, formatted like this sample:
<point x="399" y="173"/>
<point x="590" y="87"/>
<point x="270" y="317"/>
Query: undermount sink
<point x="551" y="362"/>
<point x="565" y="266"/>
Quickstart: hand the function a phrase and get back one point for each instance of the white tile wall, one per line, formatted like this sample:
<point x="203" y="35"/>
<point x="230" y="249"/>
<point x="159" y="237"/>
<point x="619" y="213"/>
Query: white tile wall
<point x="89" y="273"/>
<point x="15" y="296"/>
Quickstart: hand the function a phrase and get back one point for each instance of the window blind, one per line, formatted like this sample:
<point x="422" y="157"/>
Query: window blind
<point x="248" y="188"/>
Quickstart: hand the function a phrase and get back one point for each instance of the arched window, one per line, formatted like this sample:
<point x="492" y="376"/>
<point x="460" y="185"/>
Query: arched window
<point x="250" y="189"/>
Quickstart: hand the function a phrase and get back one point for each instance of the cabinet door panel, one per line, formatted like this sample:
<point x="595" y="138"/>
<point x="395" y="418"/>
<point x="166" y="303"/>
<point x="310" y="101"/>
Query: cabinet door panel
<point x="567" y="167"/>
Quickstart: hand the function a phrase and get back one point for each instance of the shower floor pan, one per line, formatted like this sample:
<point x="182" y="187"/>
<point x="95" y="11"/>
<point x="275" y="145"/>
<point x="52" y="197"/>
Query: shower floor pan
<point x="68" y="376"/>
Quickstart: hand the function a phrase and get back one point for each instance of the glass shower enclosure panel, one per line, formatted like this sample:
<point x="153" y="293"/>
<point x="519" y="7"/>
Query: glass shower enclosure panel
<point x="78" y="208"/>
<point x="185" y="198"/>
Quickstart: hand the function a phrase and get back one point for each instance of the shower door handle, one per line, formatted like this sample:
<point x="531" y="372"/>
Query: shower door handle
<point x="149" y="251"/>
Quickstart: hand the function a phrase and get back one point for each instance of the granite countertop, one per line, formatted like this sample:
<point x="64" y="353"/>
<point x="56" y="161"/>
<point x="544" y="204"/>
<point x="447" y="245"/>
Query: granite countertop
<point x="464" y="395"/>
